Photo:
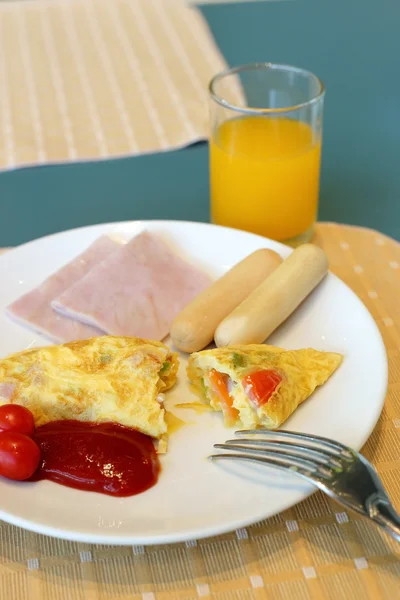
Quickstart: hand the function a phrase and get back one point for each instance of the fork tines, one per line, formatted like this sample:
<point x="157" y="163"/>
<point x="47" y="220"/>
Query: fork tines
<point x="306" y="454"/>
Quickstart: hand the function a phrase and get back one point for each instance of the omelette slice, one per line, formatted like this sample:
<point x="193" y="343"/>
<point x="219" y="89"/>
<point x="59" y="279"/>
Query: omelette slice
<point x="258" y="385"/>
<point x="106" y="378"/>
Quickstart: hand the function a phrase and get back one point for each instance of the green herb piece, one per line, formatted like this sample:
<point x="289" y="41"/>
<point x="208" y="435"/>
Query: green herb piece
<point x="105" y="358"/>
<point x="165" y="366"/>
<point x="204" y="388"/>
<point x="238" y="360"/>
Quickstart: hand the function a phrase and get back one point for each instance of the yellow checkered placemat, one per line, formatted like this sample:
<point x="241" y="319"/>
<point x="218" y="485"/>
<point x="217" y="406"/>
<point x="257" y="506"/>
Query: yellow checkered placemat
<point x="316" y="550"/>
<point x="90" y="79"/>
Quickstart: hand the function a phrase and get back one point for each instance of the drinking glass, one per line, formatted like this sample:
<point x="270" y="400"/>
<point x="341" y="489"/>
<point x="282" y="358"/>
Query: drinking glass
<point x="265" y="150"/>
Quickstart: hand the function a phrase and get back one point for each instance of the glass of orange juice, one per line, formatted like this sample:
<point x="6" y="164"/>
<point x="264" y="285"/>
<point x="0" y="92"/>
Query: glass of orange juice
<point x="265" y="150"/>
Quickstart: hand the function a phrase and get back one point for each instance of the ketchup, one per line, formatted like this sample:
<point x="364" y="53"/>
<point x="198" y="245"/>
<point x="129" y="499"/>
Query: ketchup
<point x="100" y="457"/>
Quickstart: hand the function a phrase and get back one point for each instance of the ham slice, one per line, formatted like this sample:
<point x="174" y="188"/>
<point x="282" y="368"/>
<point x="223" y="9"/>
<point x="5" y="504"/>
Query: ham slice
<point x="34" y="308"/>
<point x="136" y="291"/>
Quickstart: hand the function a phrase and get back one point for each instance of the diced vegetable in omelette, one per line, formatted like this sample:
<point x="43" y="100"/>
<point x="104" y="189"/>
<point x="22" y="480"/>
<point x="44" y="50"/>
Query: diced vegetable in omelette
<point x="257" y="385"/>
<point x="106" y="378"/>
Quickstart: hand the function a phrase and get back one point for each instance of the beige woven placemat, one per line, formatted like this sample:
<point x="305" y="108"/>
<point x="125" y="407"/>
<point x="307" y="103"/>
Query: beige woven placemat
<point x="86" y="79"/>
<point x="316" y="550"/>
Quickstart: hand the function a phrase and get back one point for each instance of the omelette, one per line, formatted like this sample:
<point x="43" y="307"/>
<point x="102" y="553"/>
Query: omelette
<point x="258" y="385"/>
<point x="106" y="378"/>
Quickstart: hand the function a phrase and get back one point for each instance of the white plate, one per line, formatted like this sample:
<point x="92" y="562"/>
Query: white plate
<point x="195" y="498"/>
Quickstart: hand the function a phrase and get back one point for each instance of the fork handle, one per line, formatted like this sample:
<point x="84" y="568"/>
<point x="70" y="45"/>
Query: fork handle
<point x="386" y="517"/>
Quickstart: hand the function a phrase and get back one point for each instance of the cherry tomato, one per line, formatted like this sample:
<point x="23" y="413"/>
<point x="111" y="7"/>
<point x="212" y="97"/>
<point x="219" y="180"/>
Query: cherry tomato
<point x="19" y="455"/>
<point x="14" y="417"/>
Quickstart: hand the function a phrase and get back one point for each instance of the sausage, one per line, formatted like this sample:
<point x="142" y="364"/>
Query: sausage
<point x="274" y="299"/>
<point x="193" y="329"/>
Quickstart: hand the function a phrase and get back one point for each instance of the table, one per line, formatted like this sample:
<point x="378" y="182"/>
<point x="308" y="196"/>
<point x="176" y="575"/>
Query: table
<point x="360" y="178"/>
<point x="316" y="550"/>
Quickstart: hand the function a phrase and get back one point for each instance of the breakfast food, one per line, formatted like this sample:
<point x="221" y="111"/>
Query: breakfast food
<point x="19" y="453"/>
<point x="137" y="290"/>
<point x="15" y="417"/>
<point x="275" y="299"/>
<point x="258" y="385"/>
<point x="101" y="457"/>
<point x="134" y="289"/>
<point x="19" y="456"/>
<point x="126" y="461"/>
<point x="193" y="329"/>
<point x="101" y="379"/>
<point x="33" y="309"/>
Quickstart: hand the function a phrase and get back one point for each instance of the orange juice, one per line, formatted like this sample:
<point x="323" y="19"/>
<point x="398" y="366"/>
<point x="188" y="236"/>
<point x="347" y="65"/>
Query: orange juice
<point x="265" y="176"/>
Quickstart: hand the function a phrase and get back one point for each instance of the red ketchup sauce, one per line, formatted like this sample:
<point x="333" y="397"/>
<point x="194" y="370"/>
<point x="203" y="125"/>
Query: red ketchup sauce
<point x="99" y="457"/>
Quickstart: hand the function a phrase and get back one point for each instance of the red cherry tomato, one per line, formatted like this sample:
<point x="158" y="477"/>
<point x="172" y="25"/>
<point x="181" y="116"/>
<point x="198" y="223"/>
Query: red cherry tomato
<point x="19" y="455"/>
<point x="14" y="417"/>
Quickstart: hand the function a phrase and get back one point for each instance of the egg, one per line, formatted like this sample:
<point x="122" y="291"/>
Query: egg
<point x="258" y="385"/>
<point x="105" y="378"/>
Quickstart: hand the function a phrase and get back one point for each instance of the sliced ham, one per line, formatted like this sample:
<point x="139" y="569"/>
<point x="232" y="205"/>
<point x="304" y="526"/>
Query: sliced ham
<point x="34" y="308"/>
<point x="138" y="290"/>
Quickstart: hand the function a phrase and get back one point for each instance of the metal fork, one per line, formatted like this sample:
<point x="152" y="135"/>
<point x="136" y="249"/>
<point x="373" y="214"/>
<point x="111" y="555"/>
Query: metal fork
<point x="334" y="468"/>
